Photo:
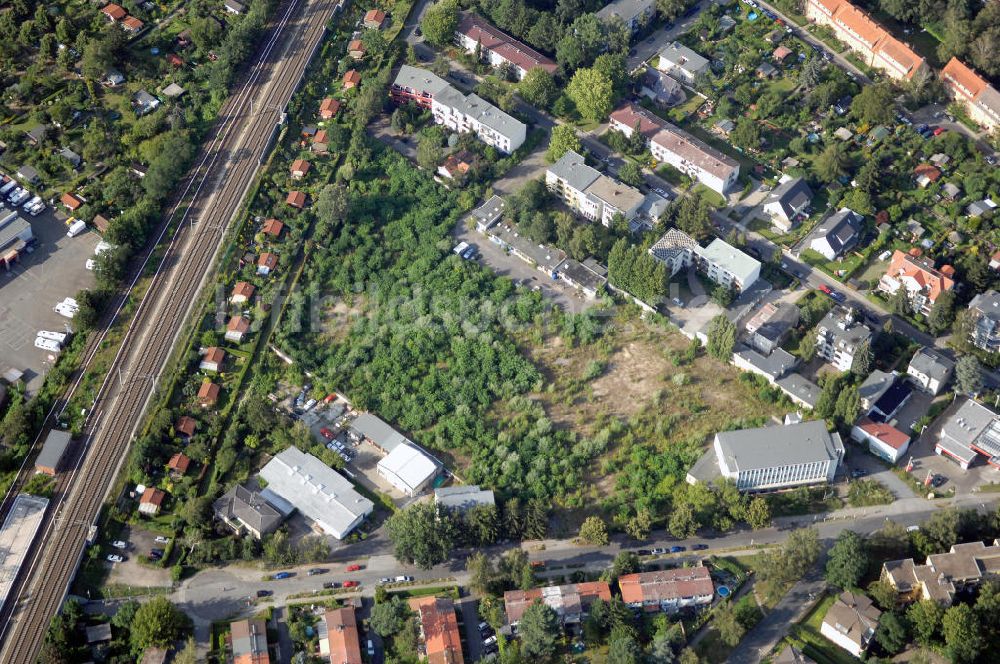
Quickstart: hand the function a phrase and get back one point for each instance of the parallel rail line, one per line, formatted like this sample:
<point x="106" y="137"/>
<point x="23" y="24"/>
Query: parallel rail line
<point x="217" y="186"/>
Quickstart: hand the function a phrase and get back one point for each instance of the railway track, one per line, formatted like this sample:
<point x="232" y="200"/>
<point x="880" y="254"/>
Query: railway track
<point x="218" y="184"/>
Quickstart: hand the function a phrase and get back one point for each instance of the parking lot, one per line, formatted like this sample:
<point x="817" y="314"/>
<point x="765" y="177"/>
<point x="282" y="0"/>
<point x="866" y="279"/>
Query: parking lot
<point x="52" y="271"/>
<point x="135" y="571"/>
<point x="962" y="482"/>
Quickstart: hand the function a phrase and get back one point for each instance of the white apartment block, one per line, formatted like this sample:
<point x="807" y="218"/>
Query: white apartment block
<point x="695" y="158"/>
<point x="456" y="111"/>
<point x="838" y="337"/>
<point x="719" y="261"/>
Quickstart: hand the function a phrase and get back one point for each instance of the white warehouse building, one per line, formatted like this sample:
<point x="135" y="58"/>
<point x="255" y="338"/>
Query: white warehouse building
<point x="408" y="468"/>
<point x="300" y="481"/>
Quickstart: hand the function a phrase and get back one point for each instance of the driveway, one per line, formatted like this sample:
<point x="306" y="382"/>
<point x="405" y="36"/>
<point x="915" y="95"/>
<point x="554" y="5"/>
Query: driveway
<point x="657" y="41"/>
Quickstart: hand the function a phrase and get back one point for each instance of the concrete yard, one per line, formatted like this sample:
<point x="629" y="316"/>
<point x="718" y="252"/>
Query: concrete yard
<point x="53" y="271"/>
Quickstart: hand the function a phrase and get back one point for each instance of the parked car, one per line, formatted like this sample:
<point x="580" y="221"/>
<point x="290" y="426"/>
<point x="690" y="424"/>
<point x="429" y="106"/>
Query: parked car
<point x="643" y="552"/>
<point x="160" y="539"/>
<point x="699" y="547"/>
<point x="938" y="480"/>
<point x="353" y="568"/>
<point x="331" y="584"/>
<point x="385" y="579"/>
<point x="351" y="584"/>
<point x="316" y="570"/>
<point x="115" y="558"/>
<point x="370" y="647"/>
<point x="264" y="593"/>
<point x="403" y="579"/>
<point x="677" y="549"/>
<point x="326" y="433"/>
<point x="490" y="640"/>
<point x="281" y="575"/>
<point x="118" y="544"/>
<point x="939" y="130"/>
<point x="658" y="551"/>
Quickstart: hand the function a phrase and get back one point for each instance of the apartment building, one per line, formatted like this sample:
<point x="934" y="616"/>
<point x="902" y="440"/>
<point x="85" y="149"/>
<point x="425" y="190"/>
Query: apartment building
<point x="772" y="458"/>
<point x="498" y="48"/>
<point x="570" y="602"/>
<point x="633" y="13"/>
<point x="838" y="337"/>
<point x="456" y="111"/>
<point x="876" y="47"/>
<point x="719" y="261"/>
<point x="917" y="274"/>
<point x="682" y="63"/>
<point x="930" y="369"/>
<point x="943" y="574"/>
<point x="668" y="590"/>
<point x="695" y="158"/>
<point x="630" y="117"/>
<point x="981" y="100"/>
<point x="985" y="308"/>
<point x="591" y="194"/>
<point x="440" y="638"/>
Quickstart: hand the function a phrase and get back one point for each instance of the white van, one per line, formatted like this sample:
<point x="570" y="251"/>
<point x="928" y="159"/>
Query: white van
<point x="37" y="209"/>
<point x="32" y="202"/>
<point x="48" y="344"/>
<point x="59" y="337"/>
<point x="78" y="227"/>
<point x="19" y="196"/>
<point x="101" y="247"/>
<point x="9" y="187"/>
<point x="71" y="302"/>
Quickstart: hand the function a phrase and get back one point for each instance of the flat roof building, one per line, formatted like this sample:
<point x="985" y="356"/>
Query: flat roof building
<point x="464" y="497"/>
<point x="591" y="194"/>
<point x="53" y="450"/>
<point x="971" y="430"/>
<point x="17" y="535"/>
<point x="317" y="491"/>
<point x="777" y="457"/>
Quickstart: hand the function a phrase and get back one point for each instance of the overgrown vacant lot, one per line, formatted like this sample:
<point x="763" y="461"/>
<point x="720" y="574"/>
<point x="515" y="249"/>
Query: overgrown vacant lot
<point x="642" y="392"/>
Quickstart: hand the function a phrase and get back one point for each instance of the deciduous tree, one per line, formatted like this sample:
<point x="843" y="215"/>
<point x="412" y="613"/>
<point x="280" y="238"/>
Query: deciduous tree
<point x="594" y="531"/>
<point x="563" y="140"/>
<point x="592" y="92"/>
<point x="848" y="560"/>
<point x="539" y="630"/>
<point x="721" y="338"/>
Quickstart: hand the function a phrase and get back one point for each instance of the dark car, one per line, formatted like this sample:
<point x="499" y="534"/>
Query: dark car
<point x="677" y="549"/>
<point x="282" y="575"/>
<point x="331" y="584"/>
<point x="264" y="593"/>
<point x="938" y="480"/>
<point x="644" y="552"/>
<point x="316" y="570"/>
<point x="699" y="547"/>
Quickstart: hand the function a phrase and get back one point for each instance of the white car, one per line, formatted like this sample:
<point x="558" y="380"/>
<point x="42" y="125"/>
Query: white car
<point x="115" y="558"/>
<point x="118" y="544"/>
<point x="90" y="264"/>
<point x="160" y="539"/>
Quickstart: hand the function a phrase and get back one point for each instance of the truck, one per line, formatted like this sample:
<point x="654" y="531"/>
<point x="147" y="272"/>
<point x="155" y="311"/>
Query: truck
<point x="10" y="186"/>
<point x="78" y="227"/>
<point x="17" y="196"/>
<point x="64" y="310"/>
<point x="37" y="208"/>
<point x="31" y="202"/>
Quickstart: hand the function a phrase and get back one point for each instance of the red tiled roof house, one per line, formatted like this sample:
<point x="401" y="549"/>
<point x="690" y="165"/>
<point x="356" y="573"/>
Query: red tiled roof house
<point x="668" y="590"/>
<point x="151" y="501"/>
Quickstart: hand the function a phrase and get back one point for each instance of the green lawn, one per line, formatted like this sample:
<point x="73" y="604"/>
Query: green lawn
<point x="713" y="197"/>
<point x="840" y="270"/>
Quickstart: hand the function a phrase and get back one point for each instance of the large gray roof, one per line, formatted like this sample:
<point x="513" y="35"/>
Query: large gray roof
<point x="627" y="10"/>
<point x="463" y="497"/>
<point x="377" y="431"/>
<point x="725" y="255"/>
<point x="775" y="365"/>
<point x="250" y="507"/>
<point x="780" y="445"/>
<point x="415" y="78"/>
<point x="572" y="169"/>
<point x="841" y="230"/>
<point x="681" y="56"/>
<point x="932" y="363"/>
<point x="55" y="446"/>
<point x="798" y="386"/>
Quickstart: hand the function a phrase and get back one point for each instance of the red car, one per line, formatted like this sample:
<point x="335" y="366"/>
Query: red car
<point x="939" y="130"/>
<point x="351" y="584"/>
<point x="326" y="433"/>
<point x="825" y="288"/>
<point x="353" y="568"/>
